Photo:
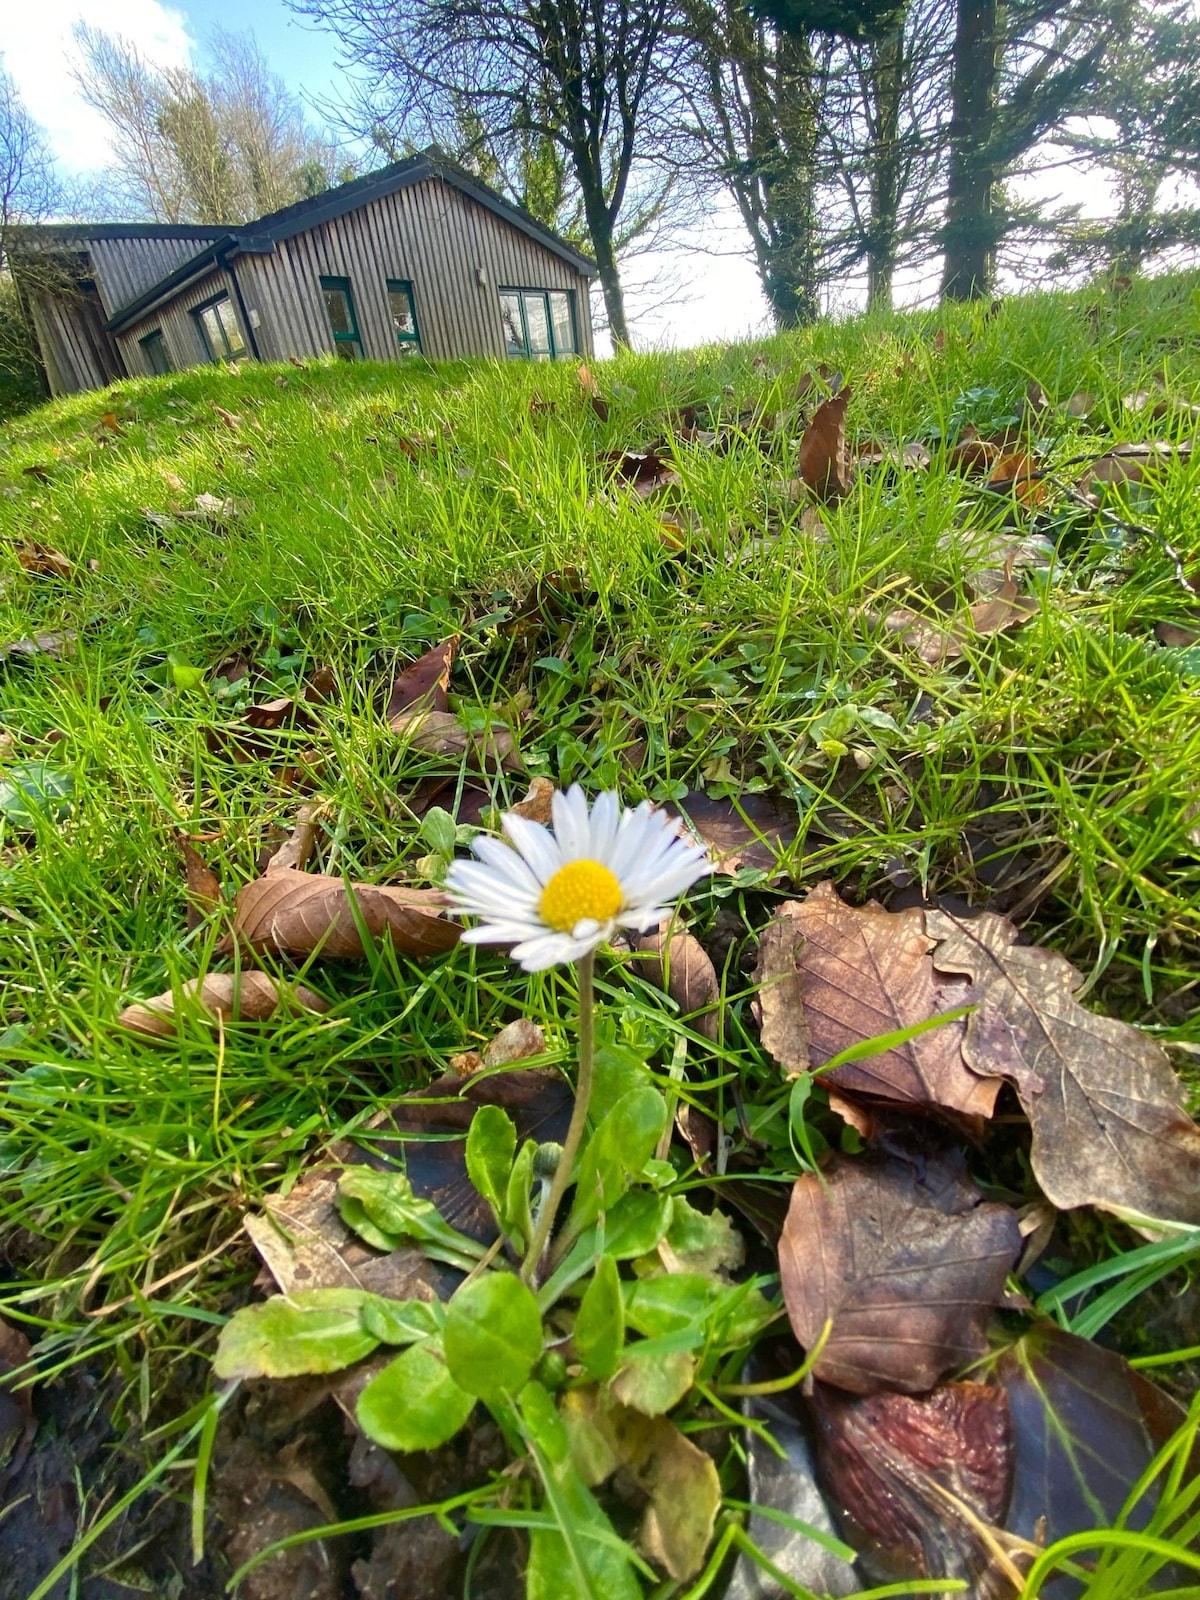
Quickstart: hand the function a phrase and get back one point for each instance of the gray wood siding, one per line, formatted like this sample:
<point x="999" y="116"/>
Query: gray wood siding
<point x="77" y="349"/>
<point x="125" y="268"/>
<point x="180" y="333"/>
<point x="432" y="235"/>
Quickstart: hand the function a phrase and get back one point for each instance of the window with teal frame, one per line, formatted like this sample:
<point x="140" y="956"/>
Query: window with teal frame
<point x="220" y="331"/>
<point x="154" y="354"/>
<point x="539" y="324"/>
<point x="343" y="324"/>
<point x="404" y="316"/>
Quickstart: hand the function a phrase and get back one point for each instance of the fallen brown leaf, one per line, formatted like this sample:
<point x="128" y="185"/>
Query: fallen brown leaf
<point x="536" y="806"/>
<point x="296" y="849"/>
<point x="824" y="464"/>
<point x="591" y="389"/>
<point x="748" y="832"/>
<point x="40" y="644"/>
<point x="846" y="973"/>
<point x="203" y="886"/>
<point x="440" y="733"/>
<point x="675" y="960"/>
<point x="1018" y="472"/>
<point x="43" y="561"/>
<point x="424" y="682"/>
<point x="1175" y="636"/>
<point x="972" y="454"/>
<point x="1104" y="1103"/>
<point x="224" y="996"/>
<point x="301" y="912"/>
<point x="926" y="1479"/>
<point x="1132" y="463"/>
<point x="903" y="1261"/>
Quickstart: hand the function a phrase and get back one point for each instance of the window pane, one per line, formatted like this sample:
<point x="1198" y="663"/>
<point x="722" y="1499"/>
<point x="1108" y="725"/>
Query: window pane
<point x="234" y="344"/>
<point x="154" y="351"/>
<point x="211" y="324"/>
<point x="347" y="349"/>
<point x="539" y="326"/>
<point x="510" y="316"/>
<point x="564" y="325"/>
<point x="337" y="304"/>
<point x="402" y="314"/>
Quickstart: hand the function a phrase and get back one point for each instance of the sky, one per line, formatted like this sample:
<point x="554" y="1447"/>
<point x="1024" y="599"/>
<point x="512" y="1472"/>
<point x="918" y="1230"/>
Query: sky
<point x="676" y="297"/>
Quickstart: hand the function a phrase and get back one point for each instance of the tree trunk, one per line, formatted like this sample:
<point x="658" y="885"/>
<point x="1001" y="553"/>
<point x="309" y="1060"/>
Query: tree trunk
<point x="887" y="80"/>
<point x="969" y="235"/>
<point x="789" y="276"/>
<point x="599" y="221"/>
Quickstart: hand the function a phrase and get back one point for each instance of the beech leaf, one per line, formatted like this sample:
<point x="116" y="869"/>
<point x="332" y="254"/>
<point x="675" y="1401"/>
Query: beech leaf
<point x="824" y="464"/>
<point x="1103" y="1100"/>
<point x="904" y="1263"/>
<point x="228" y="996"/>
<point x="301" y="912"/>
<point x="425" y="682"/>
<point x="676" y="961"/>
<point x="832" y="975"/>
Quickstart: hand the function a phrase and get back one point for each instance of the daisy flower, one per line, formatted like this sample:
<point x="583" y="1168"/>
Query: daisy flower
<point x="556" y="893"/>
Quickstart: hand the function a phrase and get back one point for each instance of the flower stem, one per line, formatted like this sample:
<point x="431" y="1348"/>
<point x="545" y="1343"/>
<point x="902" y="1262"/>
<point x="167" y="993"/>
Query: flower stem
<point x="570" y="1149"/>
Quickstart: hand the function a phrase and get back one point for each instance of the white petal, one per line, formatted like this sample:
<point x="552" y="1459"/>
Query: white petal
<point x="548" y="950"/>
<point x="605" y="820"/>
<point x="502" y="858"/>
<point x="571" y="830"/>
<point x="475" y="886"/>
<point x="501" y="933"/>
<point x="537" y="846"/>
<point x="638" y="833"/>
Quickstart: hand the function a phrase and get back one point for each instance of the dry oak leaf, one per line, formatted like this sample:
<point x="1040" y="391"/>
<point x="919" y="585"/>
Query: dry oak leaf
<point x="824" y="463"/>
<point x="228" y="996"/>
<point x="302" y="912"/>
<point x="1103" y="1100"/>
<point x="203" y="886"/>
<point x="850" y="973"/>
<point x="675" y="960"/>
<point x="42" y="560"/>
<point x="536" y="806"/>
<point x="904" y="1262"/>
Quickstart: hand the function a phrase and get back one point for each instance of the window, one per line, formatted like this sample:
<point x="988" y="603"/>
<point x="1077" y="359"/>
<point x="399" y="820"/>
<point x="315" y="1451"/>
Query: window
<point x="339" y="308"/>
<point x="154" y="354"/>
<point x="220" y="331"/>
<point x="404" y="316"/>
<point x="539" y="324"/>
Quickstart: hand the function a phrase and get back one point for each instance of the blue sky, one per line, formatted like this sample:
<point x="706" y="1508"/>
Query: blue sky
<point x="675" y="297"/>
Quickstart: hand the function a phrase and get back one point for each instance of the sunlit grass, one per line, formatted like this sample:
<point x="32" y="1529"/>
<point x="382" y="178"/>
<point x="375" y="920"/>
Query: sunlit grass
<point x="377" y="509"/>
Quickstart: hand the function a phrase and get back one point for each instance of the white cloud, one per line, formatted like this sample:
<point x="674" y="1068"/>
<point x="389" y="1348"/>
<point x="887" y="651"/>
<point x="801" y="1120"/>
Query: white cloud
<point x="39" y="53"/>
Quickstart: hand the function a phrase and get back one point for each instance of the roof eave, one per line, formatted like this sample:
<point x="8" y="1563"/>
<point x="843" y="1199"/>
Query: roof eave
<point x="211" y="259"/>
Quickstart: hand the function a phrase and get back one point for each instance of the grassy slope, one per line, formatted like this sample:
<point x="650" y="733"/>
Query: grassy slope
<point x="1078" y="734"/>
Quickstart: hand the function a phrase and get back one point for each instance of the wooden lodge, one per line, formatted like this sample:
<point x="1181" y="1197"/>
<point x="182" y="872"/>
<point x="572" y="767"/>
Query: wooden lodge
<point x="418" y="257"/>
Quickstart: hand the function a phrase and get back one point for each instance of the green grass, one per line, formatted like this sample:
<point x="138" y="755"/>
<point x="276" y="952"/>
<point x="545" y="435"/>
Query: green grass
<point x="377" y="509"/>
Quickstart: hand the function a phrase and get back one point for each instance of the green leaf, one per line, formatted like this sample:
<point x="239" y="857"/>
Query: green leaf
<point x="600" y="1324"/>
<point x="616" y="1154"/>
<point x="353" y="1214"/>
<point x="401" y="1321"/>
<point x="677" y="1302"/>
<point x="702" y="1241"/>
<point x="491" y="1147"/>
<point x="652" y="1381"/>
<point x="438" y="830"/>
<point x="632" y="1228"/>
<point x="389" y="1203"/>
<point x="516" y="1221"/>
<point x="618" y="1071"/>
<point x="34" y="792"/>
<point x="315" y="1330"/>
<point x="414" y="1403"/>
<point x="582" y="1559"/>
<point x="493" y="1335"/>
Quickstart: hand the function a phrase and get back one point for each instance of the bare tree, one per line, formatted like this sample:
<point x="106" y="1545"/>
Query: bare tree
<point x="596" y="79"/>
<point x="29" y="193"/>
<point x="189" y="147"/>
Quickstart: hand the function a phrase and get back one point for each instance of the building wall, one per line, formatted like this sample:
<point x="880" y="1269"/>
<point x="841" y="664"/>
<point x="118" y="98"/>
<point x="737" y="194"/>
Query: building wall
<point x="78" y="352"/>
<point x="430" y="234"/>
<point x="125" y="268"/>
<point x="181" y="336"/>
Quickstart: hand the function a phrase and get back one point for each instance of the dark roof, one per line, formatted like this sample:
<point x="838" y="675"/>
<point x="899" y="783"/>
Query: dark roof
<point x="261" y="236"/>
<point x="83" y="231"/>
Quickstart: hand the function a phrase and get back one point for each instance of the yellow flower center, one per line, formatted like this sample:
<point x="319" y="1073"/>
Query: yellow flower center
<point x="578" y="890"/>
